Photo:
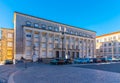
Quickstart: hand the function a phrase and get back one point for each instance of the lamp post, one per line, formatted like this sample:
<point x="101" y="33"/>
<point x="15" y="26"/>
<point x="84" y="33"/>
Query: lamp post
<point x="62" y="42"/>
<point x="112" y="50"/>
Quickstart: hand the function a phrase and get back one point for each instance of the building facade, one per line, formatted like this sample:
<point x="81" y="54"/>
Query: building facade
<point x="108" y="45"/>
<point x="49" y="39"/>
<point x="7" y="44"/>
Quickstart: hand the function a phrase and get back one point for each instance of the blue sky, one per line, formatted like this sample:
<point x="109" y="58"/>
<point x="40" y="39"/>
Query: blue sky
<point x="102" y="16"/>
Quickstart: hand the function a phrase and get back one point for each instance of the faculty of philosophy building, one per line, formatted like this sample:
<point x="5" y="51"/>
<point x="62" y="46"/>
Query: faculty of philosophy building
<point x="49" y="39"/>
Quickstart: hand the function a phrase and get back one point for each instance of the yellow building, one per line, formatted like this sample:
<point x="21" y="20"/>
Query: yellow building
<point x="108" y="45"/>
<point x="6" y="44"/>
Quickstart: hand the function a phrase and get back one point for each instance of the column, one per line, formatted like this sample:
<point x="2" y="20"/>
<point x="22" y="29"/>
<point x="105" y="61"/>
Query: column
<point x="47" y="45"/>
<point x="40" y="45"/>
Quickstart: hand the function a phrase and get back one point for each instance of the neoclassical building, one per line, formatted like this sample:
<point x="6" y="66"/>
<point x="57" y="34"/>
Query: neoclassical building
<point x="108" y="45"/>
<point x="48" y="39"/>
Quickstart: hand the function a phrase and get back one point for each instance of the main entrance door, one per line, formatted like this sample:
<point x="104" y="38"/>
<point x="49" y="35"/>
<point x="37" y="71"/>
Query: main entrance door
<point x="57" y="54"/>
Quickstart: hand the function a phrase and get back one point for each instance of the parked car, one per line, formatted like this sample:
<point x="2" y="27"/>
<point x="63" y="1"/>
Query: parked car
<point x="68" y="61"/>
<point x="54" y="61"/>
<point x="57" y="61"/>
<point x="8" y="61"/>
<point x="103" y="59"/>
<point x="78" y="60"/>
<point x="89" y="60"/>
<point x="115" y="59"/>
<point x="97" y="60"/>
<point x="109" y="59"/>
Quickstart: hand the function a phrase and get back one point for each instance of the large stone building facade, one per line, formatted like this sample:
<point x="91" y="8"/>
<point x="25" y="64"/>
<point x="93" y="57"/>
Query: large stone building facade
<point x="7" y="44"/>
<point x="49" y="39"/>
<point x="108" y="45"/>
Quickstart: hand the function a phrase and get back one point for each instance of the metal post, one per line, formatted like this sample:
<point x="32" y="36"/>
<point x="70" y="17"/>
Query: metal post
<point x="62" y="43"/>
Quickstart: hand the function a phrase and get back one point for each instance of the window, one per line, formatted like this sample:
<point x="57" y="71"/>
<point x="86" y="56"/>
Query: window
<point x="114" y="49"/>
<point x="36" y="25"/>
<point x="36" y="44"/>
<point x="76" y="47"/>
<point x="28" y="23"/>
<point x="105" y="45"/>
<point x="109" y="44"/>
<point x="101" y="50"/>
<point x="10" y="35"/>
<point x="105" y="50"/>
<point x="43" y="45"/>
<point x="56" y="29"/>
<point x="43" y="26"/>
<point x="114" y="37"/>
<point x="110" y="50"/>
<point x="76" y="33"/>
<point x="80" y="41"/>
<point x="119" y="49"/>
<point x="118" y="36"/>
<point x="50" y="27"/>
<point x="79" y="34"/>
<point x="67" y="31"/>
<point x="28" y="43"/>
<point x="9" y="44"/>
<point x="97" y="41"/>
<point x="28" y="35"/>
<point x="71" y="32"/>
<point x="50" y="46"/>
<point x="105" y="39"/>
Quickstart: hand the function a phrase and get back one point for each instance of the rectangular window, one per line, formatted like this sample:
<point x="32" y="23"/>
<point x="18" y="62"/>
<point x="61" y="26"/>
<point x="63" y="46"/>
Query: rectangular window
<point x="28" y="35"/>
<point x="43" y="26"/>
<point x="9" y="44"/>
<point x="44" y="53"/>
<point x="9" y="52"/>
<point x="28" y="23"/>
<point x="105" y="50"/>
<point x="109" y="44"/>
<point x="50" y="27"/>
<point x="10" y="35"/>
<point x="50" y="45"/>
<point x="36" y="25"/>
<point x="119" y="49"/>
<point x="28" y="43"/>
<point x="110" y="50"/>
<point x="43" y="45"/>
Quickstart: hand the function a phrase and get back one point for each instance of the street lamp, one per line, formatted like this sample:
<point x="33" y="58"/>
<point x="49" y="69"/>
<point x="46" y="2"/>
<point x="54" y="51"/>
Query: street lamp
<point x="112" y="50"/>
<point x="62" y="37"/>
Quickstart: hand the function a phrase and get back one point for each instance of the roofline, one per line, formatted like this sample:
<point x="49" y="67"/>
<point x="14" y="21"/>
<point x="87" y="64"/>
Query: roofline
<point x="54" y="21"/>
<point x="7" y="28"/>
<point x="108" y="34"/>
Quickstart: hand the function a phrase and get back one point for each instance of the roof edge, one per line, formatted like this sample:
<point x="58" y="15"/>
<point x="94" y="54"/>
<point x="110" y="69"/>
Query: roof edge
<point x="54" y="21"/>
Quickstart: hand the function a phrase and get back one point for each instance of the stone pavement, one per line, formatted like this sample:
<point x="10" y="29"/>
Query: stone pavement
<point x="5" y="72"/>
<point x="41" y="73"/>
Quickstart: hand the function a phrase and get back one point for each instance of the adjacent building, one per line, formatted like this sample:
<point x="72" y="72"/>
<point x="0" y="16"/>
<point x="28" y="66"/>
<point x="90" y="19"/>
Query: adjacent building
<point x="7" y="44"/>
<point x="108" y="45"/>
<point x="44" y="38"/>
